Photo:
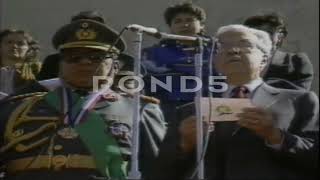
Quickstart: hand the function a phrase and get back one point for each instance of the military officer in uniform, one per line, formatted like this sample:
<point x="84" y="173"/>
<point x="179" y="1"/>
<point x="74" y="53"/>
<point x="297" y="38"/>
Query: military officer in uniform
<point x="50" y="66"/>
<point x="70" y="131"/>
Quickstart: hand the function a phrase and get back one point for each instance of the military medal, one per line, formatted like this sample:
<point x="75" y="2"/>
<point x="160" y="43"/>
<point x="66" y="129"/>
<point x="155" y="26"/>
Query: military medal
<point x="68" y="133"/>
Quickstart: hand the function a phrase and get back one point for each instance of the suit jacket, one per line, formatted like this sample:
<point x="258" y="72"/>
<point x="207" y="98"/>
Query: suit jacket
<point x="293" y="67"/>
<point x="243" y="155"/>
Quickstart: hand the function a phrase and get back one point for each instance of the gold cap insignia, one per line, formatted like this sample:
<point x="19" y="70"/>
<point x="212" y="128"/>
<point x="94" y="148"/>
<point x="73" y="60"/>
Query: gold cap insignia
<point x="85" y="25"/>
<point x="86" y="34"/>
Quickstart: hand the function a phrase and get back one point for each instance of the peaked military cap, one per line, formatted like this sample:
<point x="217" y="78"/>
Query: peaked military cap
<point x="88" y="34"/>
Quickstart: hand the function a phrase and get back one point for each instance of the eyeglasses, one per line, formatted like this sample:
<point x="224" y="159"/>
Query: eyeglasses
<point x="244" y="47"/>
<point x="93" y="58"/>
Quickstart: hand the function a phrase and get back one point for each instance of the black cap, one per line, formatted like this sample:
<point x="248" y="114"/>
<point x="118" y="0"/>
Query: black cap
<point x="88" y="34"/>
<point x="91" y="15"/>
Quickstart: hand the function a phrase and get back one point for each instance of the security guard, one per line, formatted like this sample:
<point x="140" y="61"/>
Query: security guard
<point x="70" y="131"/>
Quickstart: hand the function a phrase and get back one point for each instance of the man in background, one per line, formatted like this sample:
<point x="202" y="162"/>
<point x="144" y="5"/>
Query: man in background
<point x="285" y="70"/>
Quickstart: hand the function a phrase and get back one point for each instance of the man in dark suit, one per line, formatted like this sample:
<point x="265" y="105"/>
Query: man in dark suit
<point x="286" y="69"/>
<point x="277" y="139"/>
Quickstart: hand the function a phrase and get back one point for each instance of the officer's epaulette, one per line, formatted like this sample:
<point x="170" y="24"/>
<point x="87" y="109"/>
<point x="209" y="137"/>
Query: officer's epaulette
<point x="149" y="99"/>
<point x="144" y="98"/>
<point x="22" y="96"/>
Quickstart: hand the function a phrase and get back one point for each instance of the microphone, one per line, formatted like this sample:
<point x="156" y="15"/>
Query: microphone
<point x="161" y="35"/>
<point x="137" y="27"/>
<point x="183" y="38"/>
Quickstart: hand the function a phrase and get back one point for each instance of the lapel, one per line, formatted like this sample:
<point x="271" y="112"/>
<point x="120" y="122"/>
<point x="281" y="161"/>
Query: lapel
<point x="265" y="96"/>
<point x="278" y="101"/>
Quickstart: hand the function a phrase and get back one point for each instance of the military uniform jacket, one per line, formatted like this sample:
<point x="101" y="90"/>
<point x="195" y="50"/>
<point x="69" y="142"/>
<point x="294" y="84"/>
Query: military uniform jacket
<point x="36" y="144"/>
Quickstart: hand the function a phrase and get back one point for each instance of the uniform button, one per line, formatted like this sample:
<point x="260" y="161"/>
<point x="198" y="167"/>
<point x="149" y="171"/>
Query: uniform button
<point x="57" y="147"/>
<point x="292" y="150"/>
<point x="18" y="133"/>
<point x="59" y="161"/>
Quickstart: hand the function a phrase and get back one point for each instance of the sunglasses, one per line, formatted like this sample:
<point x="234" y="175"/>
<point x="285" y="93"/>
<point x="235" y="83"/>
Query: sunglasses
<point x="94" y="58"/>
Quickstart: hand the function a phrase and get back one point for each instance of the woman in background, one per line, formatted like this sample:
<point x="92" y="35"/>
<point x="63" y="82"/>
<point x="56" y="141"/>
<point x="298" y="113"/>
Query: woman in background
<point x="19" y="60"/>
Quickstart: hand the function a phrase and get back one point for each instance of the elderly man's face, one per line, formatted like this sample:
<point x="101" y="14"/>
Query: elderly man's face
<point x="79" y="65"/>
<point x="238" y="57"/>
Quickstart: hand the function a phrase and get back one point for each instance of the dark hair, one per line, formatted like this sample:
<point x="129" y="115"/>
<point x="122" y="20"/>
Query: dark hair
<point x="92" y="15"/>
<point x="275" y="20"/>
<point x="187" y="7"/>
<point x="34" y="48"/>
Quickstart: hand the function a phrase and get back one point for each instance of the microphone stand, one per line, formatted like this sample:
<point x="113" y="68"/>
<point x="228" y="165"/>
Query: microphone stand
<point x="134" y="173"/>
<point x="198" y="62"/>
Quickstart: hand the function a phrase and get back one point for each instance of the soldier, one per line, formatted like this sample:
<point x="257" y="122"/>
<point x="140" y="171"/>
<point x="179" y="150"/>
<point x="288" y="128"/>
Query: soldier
<point x="70" y="131"/>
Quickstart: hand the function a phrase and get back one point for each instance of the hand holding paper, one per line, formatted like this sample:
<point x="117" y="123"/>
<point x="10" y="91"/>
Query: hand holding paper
<point x="223" y="109"/>
<point x="260" y="121"/>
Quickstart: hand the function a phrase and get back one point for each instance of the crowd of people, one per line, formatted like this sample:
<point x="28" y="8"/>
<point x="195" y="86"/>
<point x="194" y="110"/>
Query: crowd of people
<point x="54" y="125"/>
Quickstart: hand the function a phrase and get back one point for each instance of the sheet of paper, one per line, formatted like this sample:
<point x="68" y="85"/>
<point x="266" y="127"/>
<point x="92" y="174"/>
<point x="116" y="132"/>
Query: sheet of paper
<point x="223" y="109"/>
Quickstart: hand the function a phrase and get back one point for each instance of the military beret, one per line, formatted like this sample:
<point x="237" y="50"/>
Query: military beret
<point x="88" y="34"/>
